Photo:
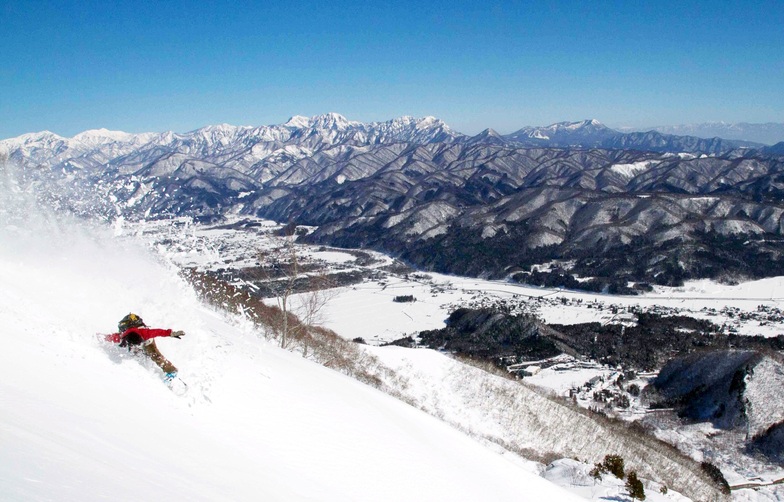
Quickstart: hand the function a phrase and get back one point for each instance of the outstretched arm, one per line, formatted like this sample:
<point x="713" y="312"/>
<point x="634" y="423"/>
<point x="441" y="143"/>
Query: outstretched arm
<point x="146" y="333"/>
<point x="141" y="334"/>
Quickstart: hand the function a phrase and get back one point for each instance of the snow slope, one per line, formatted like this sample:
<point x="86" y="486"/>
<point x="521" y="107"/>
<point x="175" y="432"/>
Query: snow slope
<point x="80" y="421"/>
<point x="508" y="413"/>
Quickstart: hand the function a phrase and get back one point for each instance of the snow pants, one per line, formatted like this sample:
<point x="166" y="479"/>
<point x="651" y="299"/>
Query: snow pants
<point x="151" y="351"/>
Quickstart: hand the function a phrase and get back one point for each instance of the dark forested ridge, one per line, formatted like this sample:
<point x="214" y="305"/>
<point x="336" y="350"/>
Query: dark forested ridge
<point x="496" y="335"/>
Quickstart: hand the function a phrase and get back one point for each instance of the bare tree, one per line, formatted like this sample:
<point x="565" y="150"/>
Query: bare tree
<point x="300" y="292"/>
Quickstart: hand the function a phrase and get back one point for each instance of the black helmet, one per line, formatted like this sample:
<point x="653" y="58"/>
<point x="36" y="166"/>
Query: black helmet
<point x="130" y="321"/>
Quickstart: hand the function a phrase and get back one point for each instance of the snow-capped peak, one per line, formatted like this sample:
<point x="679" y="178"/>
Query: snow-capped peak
<point x="489" y="132"/>
<point x="43" y="139"/>
<point x="582" y="126"/>
<point x="488" y="136"/>
<point x="403" y="119"/>
<point x="220" y="131"/>
<point x="573" y="126"/>
<point x="94" y="137"/>
<point x="222" y="128"/>
<point x="33" y="137"/>
<point x="327" y="121"/>
<point x="407" y="128"/>
<point x="298" y="122"/>
<point x="331" y="121"/>
<point x="429" y="122"/>
<point x="583" y="132"/>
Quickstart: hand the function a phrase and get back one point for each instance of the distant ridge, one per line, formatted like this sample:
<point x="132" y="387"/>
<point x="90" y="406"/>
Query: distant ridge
<point x="768" y="133"/>
<point x="333" y="128"/>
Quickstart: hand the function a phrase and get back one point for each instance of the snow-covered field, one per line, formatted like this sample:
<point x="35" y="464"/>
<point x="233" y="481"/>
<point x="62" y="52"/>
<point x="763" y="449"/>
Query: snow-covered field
<point x="749" y="308"/>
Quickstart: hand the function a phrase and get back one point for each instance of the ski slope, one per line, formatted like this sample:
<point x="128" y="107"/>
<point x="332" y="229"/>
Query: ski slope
<point x="79" y="421"/>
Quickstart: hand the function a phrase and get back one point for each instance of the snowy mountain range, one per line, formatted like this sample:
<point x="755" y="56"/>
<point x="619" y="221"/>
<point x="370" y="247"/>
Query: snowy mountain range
<point x="333" y="129"/>
<point x="625" y="203"/>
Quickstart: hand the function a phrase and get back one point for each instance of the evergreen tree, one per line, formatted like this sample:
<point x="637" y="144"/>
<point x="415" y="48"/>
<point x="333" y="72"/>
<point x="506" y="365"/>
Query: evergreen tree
<point x="634" y="486"/>
<point x="614" y="464"/>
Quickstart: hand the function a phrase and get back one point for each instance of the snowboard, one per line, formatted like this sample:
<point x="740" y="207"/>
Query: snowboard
<point x="176" y="384"/>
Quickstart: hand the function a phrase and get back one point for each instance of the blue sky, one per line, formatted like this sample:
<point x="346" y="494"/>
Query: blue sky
<point x="155" y="66"/>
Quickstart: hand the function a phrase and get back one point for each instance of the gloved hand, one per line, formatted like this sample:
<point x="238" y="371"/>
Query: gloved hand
<point x="177" y="334"/>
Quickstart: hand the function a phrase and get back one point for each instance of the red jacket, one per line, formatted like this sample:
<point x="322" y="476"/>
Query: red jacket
<point x="145" y="333"/>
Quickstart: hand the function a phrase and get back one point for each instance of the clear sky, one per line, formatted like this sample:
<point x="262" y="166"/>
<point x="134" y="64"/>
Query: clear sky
<point x="169" y="65"/>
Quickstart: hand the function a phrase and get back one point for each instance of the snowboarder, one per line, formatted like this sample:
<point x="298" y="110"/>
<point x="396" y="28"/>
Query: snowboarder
<point x="137" y="337"/>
